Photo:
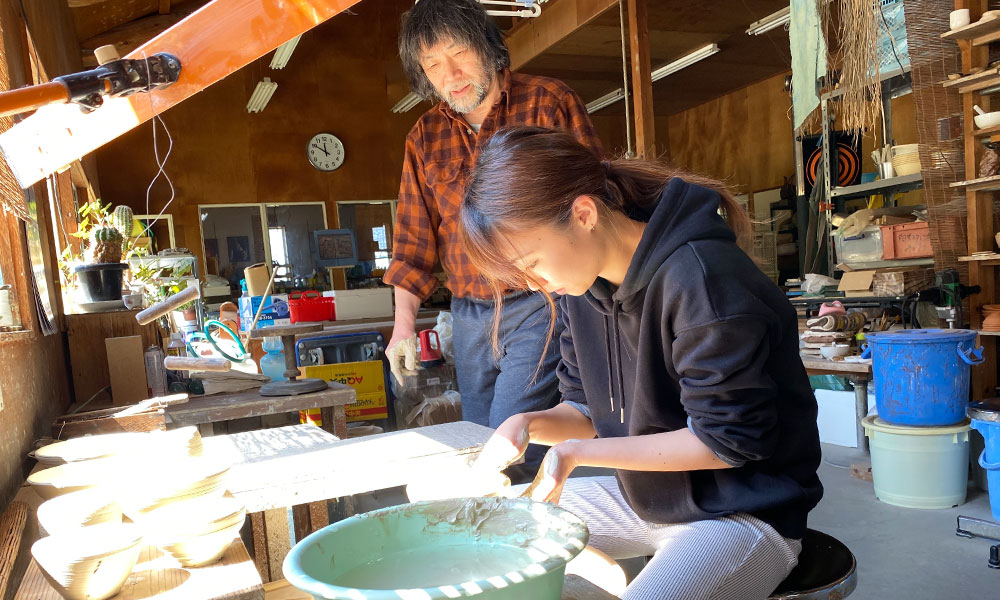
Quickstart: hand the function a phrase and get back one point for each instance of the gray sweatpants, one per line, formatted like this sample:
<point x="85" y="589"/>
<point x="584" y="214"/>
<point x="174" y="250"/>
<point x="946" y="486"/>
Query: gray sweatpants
<point x="738" y="557"/>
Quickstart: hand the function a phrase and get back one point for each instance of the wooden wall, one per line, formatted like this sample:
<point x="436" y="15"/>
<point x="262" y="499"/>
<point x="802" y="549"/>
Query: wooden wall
<point x="33" y="370"/>
<point x="343" y="78"/>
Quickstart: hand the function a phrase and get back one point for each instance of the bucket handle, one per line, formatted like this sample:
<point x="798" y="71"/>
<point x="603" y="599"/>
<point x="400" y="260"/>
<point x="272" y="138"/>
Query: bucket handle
<point x="989" y="466"/>
<point x="972" y="356"/>
<point x="866" y="351"/>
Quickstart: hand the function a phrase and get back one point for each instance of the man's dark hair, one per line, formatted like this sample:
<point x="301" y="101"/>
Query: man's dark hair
<point x="465" y="21"/>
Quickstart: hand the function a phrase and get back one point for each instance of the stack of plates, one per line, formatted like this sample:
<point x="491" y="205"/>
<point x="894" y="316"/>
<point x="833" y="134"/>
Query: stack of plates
<point x="88" y="448"/>
<point x="159" y="483"/>
<point x="90" y="563"/>
<point x="906" y="159"/>
<point x="76" y="476"/>
<point x="71" y="511"/>
<point x="195" y="532"/>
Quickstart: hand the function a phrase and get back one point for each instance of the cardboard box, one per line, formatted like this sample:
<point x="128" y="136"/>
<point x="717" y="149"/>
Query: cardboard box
<point x="902" y="282"/>
<point x="275" y="311"/>
<point x="368" y="380"/>
<point x="857" y="283"/>
<point x="127" y="367"/>
<point x="362" y="304"/>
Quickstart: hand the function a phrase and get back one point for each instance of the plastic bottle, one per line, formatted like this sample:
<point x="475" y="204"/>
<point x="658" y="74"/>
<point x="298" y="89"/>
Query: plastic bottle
<point x="272" y="364"/>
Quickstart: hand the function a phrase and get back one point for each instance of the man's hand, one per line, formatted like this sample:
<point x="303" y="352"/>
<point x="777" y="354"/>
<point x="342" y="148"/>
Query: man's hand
<point x="556" y="467"/>
<point x="506" y="445"/>
<point x="402" y="355"/>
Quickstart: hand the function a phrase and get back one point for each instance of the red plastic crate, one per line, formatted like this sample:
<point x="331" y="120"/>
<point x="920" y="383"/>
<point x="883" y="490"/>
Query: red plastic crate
<point x="310" y="307"/>
<point x="906" y="240"/>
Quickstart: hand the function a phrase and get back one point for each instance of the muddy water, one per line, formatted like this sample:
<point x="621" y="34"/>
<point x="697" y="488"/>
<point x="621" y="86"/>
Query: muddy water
<point x="435" y="566"/>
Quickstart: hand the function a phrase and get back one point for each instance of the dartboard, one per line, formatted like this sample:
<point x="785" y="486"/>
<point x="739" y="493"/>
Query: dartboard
<point x="848" y="165"/>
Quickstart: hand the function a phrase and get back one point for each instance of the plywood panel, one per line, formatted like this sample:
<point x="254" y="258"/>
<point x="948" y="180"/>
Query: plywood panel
<point x="743" y="138"/>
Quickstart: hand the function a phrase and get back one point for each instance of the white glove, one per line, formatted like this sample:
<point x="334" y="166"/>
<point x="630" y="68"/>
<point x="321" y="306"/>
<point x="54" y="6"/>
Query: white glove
<point x="402" y="358"/>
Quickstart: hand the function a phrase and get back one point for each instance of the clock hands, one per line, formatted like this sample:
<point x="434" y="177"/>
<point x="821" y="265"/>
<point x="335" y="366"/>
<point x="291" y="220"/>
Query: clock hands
<point x="323" y="149"/>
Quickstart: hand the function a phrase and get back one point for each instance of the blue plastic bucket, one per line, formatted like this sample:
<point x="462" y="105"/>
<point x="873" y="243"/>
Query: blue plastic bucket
<point x="922" y="375"/>
<point x="986" y="420"/>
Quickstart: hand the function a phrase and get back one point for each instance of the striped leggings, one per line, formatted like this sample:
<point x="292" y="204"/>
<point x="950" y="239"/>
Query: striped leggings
<point x="732" y="558"/>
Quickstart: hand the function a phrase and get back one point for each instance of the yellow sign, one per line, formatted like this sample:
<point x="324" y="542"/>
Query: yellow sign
<point x="368" y="380"/>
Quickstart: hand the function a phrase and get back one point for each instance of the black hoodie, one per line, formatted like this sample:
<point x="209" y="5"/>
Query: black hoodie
<point x="698" y="337"/>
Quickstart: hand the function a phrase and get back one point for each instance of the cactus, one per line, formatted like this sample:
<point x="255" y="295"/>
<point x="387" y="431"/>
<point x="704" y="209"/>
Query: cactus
<point x="121" y="219"/>
<point x="107" y="245"/>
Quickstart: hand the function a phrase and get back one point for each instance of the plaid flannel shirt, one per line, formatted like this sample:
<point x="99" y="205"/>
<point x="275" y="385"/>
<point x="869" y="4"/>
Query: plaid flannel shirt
<point x="441" y="152"/>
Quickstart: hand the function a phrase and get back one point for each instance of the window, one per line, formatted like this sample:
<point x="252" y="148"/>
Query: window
<point x="382" y="247"/>
<point x="279" y="249"/>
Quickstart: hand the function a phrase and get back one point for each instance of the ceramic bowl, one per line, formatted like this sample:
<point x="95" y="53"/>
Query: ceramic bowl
<point x="195" y="532"/>
<point x="68" y="512"/>
<point x="163" y="482"/>
<point x="89" y="563"/>
<point x="88" y="448"/>
<point x="904" y="149"/>
<point x="835" y="351"/>
<point x="990" y="119"/>
<point x="75" y="476"/>
<point x="906" y="164"/>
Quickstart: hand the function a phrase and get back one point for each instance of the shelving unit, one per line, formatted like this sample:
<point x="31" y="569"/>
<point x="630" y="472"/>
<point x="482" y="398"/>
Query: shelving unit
<point x="895" y="83"/>
<point x="979" y="191"/>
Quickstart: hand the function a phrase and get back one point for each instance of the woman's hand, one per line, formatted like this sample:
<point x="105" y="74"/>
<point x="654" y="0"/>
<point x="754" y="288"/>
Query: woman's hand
<point x="556" y="467"/>
<point x="506" y="445"/>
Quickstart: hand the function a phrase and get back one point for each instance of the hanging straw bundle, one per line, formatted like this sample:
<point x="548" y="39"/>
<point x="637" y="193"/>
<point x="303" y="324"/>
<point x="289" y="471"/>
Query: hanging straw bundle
<point x="861" y="106"/>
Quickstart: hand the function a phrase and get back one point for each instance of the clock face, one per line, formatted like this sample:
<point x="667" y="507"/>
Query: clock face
<point x="325" y="152"/>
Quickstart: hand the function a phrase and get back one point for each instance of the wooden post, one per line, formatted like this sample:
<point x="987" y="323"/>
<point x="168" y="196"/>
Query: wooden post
<point x="642" y="83"/>
<point x="980" y="217"/>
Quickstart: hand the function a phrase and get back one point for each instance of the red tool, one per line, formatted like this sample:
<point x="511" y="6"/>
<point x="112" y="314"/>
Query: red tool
<point x="430" y="356"/>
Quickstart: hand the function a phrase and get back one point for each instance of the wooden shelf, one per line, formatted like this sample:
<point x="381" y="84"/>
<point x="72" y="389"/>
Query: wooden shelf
<point x="975" y="82"/>
<point x="981" y="32"/>
<point x="983" y="332"/>
<point x="989" y="260"/>
<point x="981" y="184"/>
<point x="889" y="264"/>
<point x="988" y="132"/>
<point x="889" y="186"/>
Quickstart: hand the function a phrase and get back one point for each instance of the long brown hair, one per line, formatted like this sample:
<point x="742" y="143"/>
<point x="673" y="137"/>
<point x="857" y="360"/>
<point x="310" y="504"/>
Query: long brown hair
<point x="527" y="177"/>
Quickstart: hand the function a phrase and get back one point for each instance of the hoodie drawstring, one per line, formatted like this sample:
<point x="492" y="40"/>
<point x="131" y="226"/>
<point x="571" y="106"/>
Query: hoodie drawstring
<point x="617" y="363"/>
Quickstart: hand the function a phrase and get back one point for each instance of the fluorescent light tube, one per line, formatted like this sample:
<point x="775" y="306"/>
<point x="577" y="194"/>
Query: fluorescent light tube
<point x="684" y="61"/>
<point x="605" y="100"/>
<point x="261" y="95"/>
<point x="284" y="52"/>
<point x="409" y="101"/>
<point x="772" y="21"/>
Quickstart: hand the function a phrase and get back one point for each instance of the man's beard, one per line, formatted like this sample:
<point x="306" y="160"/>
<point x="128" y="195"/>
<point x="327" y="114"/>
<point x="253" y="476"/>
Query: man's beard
<point x="480" y="89"/>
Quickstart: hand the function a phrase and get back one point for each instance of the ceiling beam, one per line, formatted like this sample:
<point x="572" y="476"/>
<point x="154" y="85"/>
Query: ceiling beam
<point x="534" y="36"/>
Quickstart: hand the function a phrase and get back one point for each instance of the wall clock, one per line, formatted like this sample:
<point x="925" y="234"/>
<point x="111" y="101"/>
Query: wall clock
<point x="325" y="152"/>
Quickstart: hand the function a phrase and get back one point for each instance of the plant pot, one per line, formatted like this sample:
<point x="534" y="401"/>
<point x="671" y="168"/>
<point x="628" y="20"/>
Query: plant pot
<point x="101" y="282"/>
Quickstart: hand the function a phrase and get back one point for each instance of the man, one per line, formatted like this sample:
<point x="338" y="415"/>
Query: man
<point x="453" y="51"/>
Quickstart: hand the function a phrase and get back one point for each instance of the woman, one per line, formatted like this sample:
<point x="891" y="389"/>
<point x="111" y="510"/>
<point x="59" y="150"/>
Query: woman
<point x="680" y="365"/>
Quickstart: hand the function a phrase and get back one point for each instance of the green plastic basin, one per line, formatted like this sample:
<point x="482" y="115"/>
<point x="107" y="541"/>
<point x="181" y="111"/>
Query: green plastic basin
<point x="489" y="548"/>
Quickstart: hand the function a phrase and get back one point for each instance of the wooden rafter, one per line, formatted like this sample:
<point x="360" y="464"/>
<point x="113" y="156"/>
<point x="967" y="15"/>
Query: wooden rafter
<point x="534" y="36"/>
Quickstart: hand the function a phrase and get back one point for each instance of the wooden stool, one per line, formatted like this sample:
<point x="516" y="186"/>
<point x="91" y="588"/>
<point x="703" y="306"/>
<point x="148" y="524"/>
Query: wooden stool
<point x="826" y="569"/>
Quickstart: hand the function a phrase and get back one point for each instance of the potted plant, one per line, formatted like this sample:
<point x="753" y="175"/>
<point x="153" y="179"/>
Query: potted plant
<point x="99" y="270"/>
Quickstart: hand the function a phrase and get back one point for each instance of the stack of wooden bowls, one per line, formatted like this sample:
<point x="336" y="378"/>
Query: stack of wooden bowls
<point x="991" y="317"/>
<point x="906" y="159"/>
<point x="196" y="532"/>
<point x="89" y="563"/>
<point x="69" y="512"/>
<point x="88" y="448"/>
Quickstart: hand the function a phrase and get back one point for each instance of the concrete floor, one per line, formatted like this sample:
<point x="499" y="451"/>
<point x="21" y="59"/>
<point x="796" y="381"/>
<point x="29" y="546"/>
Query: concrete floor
<point x="902" y="553"/>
